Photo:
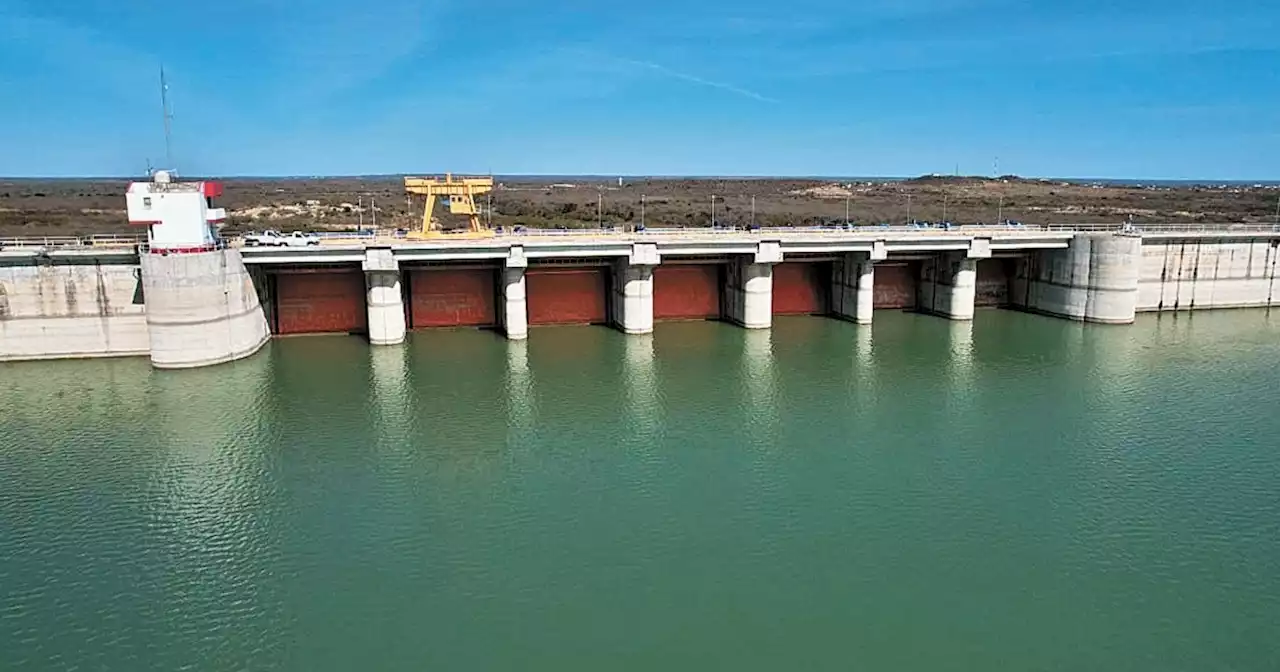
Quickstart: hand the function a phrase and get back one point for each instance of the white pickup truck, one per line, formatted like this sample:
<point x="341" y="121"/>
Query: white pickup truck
<point x="277" y="239"/>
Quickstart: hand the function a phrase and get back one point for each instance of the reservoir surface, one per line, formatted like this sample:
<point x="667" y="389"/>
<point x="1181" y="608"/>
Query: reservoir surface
<point x="1015" y="493"/>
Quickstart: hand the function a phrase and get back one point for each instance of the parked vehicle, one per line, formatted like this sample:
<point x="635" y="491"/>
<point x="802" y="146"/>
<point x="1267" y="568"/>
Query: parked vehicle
<point x="271" y="238"/>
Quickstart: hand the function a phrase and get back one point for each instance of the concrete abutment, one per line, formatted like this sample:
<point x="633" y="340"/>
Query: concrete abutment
<point x="1095" y="279"/>
<point x="202" y="309"/>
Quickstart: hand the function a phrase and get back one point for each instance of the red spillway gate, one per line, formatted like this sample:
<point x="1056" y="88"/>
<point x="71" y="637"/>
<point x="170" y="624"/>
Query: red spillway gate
<point x="686" y="292"/>
<point x="801" y="288"/>
<point x="452" y="297"/>
<point x="320" y="301"/>
<point x="895" y="285"/>
<point x="993" y="282"/>
<point x="570" y="295"/>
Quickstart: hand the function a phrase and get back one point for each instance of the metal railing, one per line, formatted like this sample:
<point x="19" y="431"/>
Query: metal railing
<point x="134" y="242"/>
<point x="103" y="241"/>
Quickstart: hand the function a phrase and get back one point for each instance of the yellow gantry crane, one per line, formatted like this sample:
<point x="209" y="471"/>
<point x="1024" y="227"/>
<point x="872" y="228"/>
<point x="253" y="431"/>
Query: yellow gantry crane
<point x="461" y="193"/>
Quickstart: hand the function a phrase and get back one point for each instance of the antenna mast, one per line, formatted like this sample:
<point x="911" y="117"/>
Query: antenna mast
<point x="168" y="121"/>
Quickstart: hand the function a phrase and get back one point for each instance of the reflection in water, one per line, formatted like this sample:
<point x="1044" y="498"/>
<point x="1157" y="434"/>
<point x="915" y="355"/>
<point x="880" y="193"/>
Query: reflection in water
<point x="864" y="359"/>
<point x="642" y="396"/>
<point x="863" y="382"/>
<point x="960" y="365"/>
<point x="521" y="409"/>
<point x="212" y="491"/>
<point x="209" y="424"/>
<point x="194" y="524"/>
<point x="392" y="396"/>
<point x="760" y="381"/>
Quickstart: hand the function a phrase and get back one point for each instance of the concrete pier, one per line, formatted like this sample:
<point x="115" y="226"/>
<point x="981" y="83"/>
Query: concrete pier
<point x="632" y="305"/>
<point x="1095" y="279"/>
<point x="948" y="284"/>
<point x="384" y="297"/>
<point x="748" y="287"/>
<point x="202" y="309"/>
<point x="853" y="278"/>
<point x="515" y="309"/>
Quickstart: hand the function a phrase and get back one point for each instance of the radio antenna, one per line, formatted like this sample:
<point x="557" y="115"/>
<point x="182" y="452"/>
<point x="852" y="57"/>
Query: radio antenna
<point x="168" y="121"/>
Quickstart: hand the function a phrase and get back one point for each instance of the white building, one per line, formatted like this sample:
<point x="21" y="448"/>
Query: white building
<point x="179" y="216"/>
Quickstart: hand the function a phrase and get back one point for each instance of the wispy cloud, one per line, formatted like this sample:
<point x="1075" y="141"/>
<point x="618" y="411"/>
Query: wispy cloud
<point x="694" y="79"/>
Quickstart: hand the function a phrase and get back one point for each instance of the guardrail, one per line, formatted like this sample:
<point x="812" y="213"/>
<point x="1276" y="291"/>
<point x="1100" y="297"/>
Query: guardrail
<point x="125" y="241"/>
<point x="73" y="241"/>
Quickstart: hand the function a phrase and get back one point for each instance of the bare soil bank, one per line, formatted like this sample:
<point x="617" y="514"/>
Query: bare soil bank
<point x="81" y="207"/>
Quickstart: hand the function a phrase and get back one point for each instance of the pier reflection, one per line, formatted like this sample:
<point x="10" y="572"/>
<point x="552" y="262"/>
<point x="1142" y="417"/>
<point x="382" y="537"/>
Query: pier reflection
<point x="392" y="396"/>
<point x="760" y="386"/>
<point x="961" y="385"/>
<point x="213" y="482"/>
<point x="521" y="400"/>
<point x="643" y="402"/>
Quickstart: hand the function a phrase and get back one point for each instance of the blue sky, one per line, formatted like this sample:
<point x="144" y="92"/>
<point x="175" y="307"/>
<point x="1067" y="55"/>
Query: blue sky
<point x="1119" y="88"/>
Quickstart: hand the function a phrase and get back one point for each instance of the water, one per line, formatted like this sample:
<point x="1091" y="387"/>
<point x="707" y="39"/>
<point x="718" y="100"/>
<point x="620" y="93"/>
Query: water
<point x="1021" y="493"/>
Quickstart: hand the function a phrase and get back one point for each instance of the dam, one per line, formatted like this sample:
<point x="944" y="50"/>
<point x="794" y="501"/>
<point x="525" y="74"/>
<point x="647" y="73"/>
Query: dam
<point x="187" y="298"/>
<point x="206" y="307"/>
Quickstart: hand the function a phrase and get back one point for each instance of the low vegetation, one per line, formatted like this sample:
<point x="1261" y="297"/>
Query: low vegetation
<point x="81" y="207"/>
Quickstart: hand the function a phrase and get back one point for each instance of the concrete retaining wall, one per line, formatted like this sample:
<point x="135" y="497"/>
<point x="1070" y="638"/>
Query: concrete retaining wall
<point x="202" y="309"/>
<point x="1194" y="274"/>
<point x="1094" y="280"/>
<point x="54" y="311"/>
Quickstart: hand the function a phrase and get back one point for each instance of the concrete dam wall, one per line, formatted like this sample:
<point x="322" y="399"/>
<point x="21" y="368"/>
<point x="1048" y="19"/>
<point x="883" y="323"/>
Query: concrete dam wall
<point x="85" y="309"/>
<point x="1194" y="274"/>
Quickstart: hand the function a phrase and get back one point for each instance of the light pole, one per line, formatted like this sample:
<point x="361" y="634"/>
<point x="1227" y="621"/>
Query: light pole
<point x="599" y="211"/>
<point x="944" y="206"/>
<point x="908" y="209"/>
<point x="360" y="209"/>
<point x="713" y="211"/>
<point x="1000" y="210"/>
<point x="373" y="211"/>
<point x="846" y="211"/>
<point x="753" y="212"/>
<point x="641" y="211"/>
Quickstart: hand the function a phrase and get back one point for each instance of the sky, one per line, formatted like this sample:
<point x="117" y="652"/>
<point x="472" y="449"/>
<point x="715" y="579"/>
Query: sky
<point x="1166" y="89"/>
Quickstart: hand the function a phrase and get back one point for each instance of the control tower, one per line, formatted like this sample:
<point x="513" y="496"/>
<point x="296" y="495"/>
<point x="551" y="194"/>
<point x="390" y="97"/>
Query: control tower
<point x="179" y="216"/>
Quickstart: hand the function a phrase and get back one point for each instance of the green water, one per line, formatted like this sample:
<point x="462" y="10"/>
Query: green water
<point x="1020" y="493"/>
